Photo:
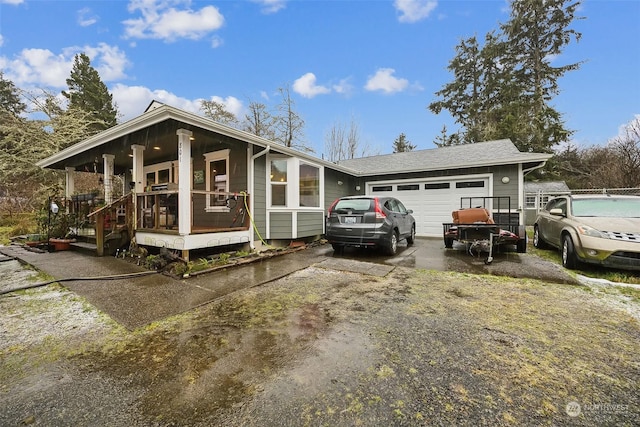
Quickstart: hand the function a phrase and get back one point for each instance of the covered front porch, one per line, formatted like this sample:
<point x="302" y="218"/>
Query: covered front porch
<point x="158" y="221"/>
<point x="167" y="182"/>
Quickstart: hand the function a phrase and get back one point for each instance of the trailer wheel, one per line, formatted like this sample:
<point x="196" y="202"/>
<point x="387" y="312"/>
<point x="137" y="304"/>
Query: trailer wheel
<point x="521" y="246"/>
<point x="448" y="243"/>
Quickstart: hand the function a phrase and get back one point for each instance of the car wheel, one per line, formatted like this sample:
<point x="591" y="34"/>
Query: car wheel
<point x="569" y="259"/>
<point x="392" y="248"/>
<point x="537" y="240"/>
<point x="412" y="237"/>
<point x="337" y="248"/>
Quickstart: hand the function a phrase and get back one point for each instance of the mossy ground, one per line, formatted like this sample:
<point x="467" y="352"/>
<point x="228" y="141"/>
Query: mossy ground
<point x="322" y="347"/>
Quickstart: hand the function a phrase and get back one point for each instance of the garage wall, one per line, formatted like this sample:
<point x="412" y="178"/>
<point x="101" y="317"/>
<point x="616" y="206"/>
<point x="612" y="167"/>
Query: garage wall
<point x="338" y="184"/>
<point x="434" y="195"/>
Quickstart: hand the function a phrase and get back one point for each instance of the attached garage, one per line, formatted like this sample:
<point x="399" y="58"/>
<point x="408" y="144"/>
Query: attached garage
<point x="433" y="182"/>
<point x="432" y="200"/>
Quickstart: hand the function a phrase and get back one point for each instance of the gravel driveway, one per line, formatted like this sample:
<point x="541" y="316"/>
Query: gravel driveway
<point x="337" y="343"/>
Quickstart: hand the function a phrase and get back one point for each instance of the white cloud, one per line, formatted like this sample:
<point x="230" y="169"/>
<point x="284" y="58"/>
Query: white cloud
<point x="414" y="10"/>
<point x="1" y="40"/>
<point x="11" y="1"/>
<point x="343" y="87"/>
<point x="216" y="41"/>
<point x="38" y="67"/>
<point x="43" y="68"/>
<point x="271" y="6"/>
<point x="133" y="100"/>
<point x="306" y="86"/>
<point x="86" y="17"/>
<point x="160" y="21"/>
<point x="231" y="104"/>
<point x="109" y="61"/>
<point x="384" y="81"/>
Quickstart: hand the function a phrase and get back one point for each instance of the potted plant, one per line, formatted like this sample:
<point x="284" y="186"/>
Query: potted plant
<point x="56" y="222"/>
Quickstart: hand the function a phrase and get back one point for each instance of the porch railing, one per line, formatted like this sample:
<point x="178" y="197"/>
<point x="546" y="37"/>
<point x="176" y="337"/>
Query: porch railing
<point x="211" y="211"/>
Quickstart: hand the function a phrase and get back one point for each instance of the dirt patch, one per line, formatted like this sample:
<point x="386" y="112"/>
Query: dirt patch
<point x="327" y="347"/>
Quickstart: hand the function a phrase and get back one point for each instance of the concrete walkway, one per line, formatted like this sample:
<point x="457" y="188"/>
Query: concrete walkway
<point x="135" y="302"/>
<point x="138" y="301"/>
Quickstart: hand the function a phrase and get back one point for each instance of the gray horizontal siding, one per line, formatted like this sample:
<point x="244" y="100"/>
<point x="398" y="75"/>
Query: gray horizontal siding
<point x="280" y="225"/>
<point x="310" y="224"/>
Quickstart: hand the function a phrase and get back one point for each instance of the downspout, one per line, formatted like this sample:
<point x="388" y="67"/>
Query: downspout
<point x="252" y="189"/>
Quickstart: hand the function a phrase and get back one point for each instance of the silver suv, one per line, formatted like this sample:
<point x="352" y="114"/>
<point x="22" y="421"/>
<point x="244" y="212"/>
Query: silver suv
<point x="369" y="221"/>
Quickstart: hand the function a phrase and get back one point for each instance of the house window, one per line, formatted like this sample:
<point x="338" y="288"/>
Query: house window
<point x="408" y="187"/>
<point x="309" y="185"/>
<point x="530" y="202"/>
<point x="160" y="173"/>
<point x="278" y="182"/>
<point x="217" y="179"/>
<point x="437" y="186"/>
<point x="543" y="201"/>
<point x="381" y="188"/>
<point x="470" y="184"/>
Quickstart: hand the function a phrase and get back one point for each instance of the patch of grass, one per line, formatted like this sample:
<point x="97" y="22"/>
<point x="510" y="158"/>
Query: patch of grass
<point x="553" y="255"/>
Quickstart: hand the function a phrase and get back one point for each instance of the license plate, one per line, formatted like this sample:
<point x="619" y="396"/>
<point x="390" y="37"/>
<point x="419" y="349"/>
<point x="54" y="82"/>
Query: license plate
<point x="349" y="219"/>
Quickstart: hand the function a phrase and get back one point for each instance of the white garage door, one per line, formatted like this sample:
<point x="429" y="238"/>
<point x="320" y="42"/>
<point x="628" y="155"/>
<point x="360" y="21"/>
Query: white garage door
<point x="432" y="201"/>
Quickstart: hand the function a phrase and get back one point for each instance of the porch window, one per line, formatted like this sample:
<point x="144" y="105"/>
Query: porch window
<point x="278" y="182"/>
<point x="309" y="185"/>
<point x="160" y="173"/>
<point x="217" y="179"/>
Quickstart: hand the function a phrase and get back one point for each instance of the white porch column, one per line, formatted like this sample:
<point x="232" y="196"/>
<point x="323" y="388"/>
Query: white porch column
<point x="108" y="177"/>
<point x="184" y="181"/>
<point x="70" y="182"/>
<point x="138" y="168"/>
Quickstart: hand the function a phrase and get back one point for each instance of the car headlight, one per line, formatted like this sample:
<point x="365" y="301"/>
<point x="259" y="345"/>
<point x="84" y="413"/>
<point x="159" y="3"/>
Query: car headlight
<point x="591" y="232"/>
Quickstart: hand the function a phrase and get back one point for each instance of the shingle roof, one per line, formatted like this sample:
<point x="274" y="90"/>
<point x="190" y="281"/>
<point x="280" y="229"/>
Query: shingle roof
<point x="545" y="186"/>
<point x="488" y="153"/>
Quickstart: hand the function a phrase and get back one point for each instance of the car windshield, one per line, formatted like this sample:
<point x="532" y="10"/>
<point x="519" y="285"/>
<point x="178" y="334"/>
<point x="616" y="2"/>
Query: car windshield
<point x="607" y="207"/>
<point x="353" y="205"/>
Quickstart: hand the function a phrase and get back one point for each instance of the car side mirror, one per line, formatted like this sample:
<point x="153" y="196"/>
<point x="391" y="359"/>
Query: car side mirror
<point x="556" y="212"/>
<point x="409" y="211"/>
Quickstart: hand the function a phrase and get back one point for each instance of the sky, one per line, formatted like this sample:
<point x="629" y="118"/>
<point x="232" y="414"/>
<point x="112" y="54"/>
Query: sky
<point x="375" y="63"/>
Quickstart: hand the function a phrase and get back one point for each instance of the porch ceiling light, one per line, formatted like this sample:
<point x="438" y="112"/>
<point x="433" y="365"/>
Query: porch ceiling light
<point x="505" y="179"/>
<point x="155" y="147"/>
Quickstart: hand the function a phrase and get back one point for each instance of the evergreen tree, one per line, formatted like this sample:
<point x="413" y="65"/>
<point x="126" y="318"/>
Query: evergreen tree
<point x="536" y="33"/>
<point x="401" y="144"/>
<point x="504" y="89"/>
<point x="89" y="94"/>
<point x="10" y="101"/>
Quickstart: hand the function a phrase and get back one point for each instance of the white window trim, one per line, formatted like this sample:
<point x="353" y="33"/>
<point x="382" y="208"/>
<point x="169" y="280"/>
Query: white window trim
<point x="155" y="168"/>
<point x="320" y="183"/>
<point x="215" y="156"/>
<point x="288" y="195"/>
<point x="293" y="185"/>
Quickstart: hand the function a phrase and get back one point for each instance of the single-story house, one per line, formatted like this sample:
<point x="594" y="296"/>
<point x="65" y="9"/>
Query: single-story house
<point x="538" y="193"/>
<point x="196" y="183"/>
